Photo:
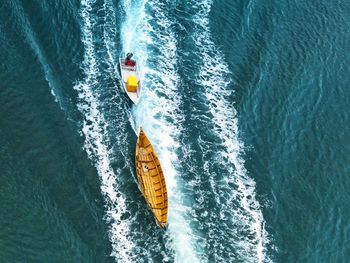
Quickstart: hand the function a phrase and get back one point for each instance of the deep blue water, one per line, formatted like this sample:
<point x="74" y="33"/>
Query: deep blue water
<point x="245" y="102"/>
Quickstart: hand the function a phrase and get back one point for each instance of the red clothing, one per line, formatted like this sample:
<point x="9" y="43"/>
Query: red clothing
<point x="130" y="63"/>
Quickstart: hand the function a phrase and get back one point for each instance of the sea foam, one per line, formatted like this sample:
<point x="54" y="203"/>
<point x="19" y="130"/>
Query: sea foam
<point x="158" y="111"/>
<point x="214" y="76"/>
<point x="94" y="130"/>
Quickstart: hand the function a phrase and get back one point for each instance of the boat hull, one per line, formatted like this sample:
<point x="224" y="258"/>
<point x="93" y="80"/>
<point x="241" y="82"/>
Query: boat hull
<point x="151" y="179"/>
<point x="126" y="72"/>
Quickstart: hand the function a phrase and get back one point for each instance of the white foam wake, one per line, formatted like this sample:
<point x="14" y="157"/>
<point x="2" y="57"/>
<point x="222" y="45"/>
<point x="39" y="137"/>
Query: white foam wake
<point x="213" y="76"/>
<point x="94" y="130"/>
<point x="150" y="35"/>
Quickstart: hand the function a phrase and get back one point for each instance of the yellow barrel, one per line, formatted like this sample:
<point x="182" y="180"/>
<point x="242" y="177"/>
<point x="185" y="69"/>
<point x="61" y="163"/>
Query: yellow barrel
<point x="132" y="84"/>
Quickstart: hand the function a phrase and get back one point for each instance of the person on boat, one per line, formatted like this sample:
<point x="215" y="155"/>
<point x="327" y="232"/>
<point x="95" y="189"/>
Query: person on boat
<point x="129" y="61"/>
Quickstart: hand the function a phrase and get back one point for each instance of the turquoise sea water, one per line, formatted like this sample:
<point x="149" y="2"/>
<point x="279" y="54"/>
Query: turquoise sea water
<point x="246" y="103"/>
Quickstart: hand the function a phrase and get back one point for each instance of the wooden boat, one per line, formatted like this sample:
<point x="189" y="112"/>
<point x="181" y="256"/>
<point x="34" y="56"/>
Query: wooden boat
<point x="151" y="179"/>
<point x="130" y="79"/>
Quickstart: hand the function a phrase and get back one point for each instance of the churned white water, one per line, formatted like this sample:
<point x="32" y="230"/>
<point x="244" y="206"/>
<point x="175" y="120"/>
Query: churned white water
<point x="214" y="76"/>
<point x="149" y="33"/>
<point x="150" y="37"/>
<point x="94" y="131"/>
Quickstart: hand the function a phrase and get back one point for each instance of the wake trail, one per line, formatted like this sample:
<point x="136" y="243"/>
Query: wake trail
<point x="158" y="111"/>
<point x="94" y="129"/>
<point x="214" y="77"/>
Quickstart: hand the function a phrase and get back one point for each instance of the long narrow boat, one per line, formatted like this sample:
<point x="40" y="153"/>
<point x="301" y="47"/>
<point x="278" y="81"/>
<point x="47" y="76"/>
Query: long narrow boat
<point x="151" y="179"/>
<point x="131" y="78"/>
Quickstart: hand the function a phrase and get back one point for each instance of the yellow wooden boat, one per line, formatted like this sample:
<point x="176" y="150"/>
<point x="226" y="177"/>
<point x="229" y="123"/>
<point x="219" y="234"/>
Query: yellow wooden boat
<point x="151" y="179"/>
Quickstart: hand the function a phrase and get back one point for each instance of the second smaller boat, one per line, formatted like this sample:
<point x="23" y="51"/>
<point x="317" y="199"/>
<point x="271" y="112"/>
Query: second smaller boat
<point x="130" y="77"/>
<point x="151" y="179"/>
